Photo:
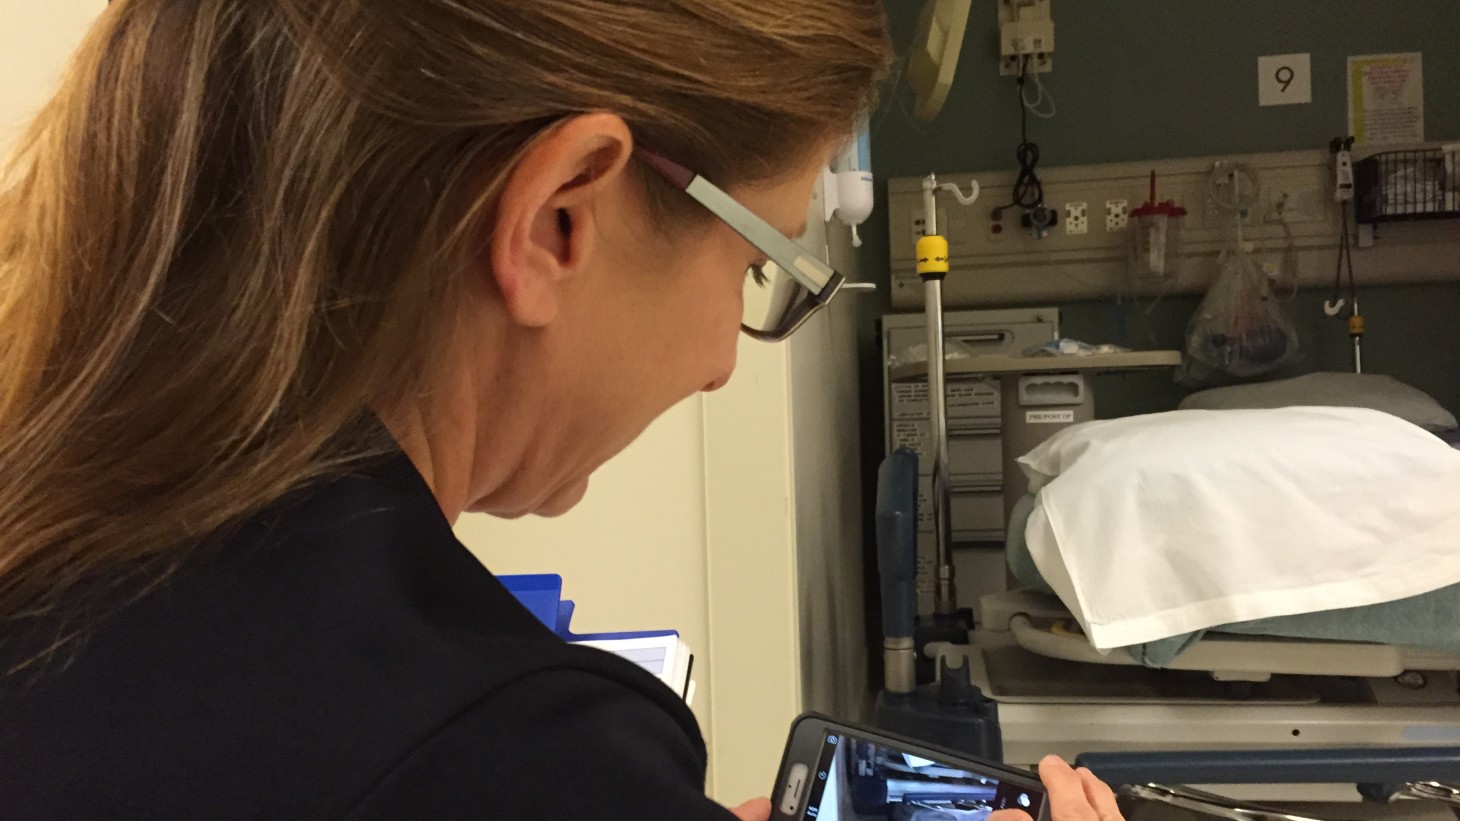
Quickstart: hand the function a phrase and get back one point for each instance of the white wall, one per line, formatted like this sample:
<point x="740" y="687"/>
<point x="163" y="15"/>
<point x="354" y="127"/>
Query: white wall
<point x="752" y="570"/>
<point x="36" y="38"/>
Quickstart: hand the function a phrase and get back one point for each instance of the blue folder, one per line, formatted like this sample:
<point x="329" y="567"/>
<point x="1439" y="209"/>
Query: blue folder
<point x="542" y="595"/>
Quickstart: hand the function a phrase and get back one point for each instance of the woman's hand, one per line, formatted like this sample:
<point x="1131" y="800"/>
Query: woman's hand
<point x="757" y="810"/>
<point x="1074" y="795"/>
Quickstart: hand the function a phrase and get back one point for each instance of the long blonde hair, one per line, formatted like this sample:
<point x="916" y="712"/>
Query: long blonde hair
<point x="236" y="225"/>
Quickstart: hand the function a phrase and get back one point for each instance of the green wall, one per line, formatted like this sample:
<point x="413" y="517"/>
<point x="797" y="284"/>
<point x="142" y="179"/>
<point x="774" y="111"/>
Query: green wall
<point x="1149" y="79"/>
<point x="1146" y="79"/>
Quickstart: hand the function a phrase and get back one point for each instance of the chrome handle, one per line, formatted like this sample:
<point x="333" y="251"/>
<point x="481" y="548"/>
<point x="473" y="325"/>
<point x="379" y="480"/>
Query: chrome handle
<point x="1448" y="794"/>
<point x="1208" y="804"/>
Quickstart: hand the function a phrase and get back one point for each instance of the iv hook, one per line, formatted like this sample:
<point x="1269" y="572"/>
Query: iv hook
<point x="930" y="195"/>
<point x="952" y="188"/>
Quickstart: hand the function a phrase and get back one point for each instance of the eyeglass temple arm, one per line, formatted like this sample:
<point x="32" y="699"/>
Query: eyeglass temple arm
<point x="677" y="175"/>
<point x="805" y="267"/>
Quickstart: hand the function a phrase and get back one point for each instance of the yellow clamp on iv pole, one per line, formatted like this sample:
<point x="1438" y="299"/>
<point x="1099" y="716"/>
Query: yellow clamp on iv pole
<point x="932" y="255"/>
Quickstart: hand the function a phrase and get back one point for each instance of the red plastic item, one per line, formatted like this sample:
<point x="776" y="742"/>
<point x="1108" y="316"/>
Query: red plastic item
<point x="1152" y="208"/>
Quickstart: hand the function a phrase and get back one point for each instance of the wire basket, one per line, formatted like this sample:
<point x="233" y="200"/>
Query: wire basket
<point x="1396" y="186"/>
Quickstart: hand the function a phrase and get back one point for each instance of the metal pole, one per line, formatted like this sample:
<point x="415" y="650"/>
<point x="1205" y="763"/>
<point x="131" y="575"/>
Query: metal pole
<point x="945" y="597"/>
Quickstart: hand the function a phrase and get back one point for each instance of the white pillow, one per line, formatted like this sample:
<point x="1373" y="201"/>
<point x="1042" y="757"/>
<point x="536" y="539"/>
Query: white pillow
<point x="1155" y="526"/>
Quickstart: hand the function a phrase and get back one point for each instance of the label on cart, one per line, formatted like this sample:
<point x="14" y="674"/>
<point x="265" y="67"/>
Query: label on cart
<point x="971" y="394"/>
<point x="1049" y="417"/>
<point x="910" y="400"/>
<point x="909" y="435"/>
<point x="965" y="398"/>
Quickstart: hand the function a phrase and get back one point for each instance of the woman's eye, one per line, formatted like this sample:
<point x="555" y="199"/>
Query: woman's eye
<point x="757" y="273"/>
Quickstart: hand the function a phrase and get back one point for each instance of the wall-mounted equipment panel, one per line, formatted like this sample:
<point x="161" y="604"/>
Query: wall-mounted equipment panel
<point x="1294" y="220"/>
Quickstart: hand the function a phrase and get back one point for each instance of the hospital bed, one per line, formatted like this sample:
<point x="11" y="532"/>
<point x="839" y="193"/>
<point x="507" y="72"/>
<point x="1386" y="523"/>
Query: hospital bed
<point x="1051" y="703"/>
<point x="1224" y="692"/>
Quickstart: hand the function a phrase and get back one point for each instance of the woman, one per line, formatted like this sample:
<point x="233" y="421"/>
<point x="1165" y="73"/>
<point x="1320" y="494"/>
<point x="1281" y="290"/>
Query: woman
<point x="288" y="285"/>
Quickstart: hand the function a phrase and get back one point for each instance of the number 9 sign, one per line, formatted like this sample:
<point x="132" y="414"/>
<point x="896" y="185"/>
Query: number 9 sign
<point x="1284" y="79"/>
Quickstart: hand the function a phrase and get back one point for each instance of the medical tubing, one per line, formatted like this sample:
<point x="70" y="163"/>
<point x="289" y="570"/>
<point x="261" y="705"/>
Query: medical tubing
<point x="1345" y="259"/>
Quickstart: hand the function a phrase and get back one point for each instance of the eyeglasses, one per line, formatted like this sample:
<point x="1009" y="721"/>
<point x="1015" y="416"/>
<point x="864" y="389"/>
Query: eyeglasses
<point x="779" y="295"/>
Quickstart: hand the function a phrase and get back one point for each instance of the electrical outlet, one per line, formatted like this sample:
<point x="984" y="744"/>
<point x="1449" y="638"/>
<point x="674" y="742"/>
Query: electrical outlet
<point x="1077" y="218"/>
<point x="1117" y="215"/>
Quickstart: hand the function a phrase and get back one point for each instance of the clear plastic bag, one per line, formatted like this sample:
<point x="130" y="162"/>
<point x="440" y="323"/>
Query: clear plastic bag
<point x="918" y="353"/>
<point x="1072" y="347"/>
<point x="1239" y="331"/>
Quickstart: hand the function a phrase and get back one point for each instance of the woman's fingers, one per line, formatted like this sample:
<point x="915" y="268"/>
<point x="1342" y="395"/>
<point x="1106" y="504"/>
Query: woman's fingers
<point x="757" y="810"/>
<point x="1067" y="798"/>
<point x="1101" y="797"/>
<point x="1009" y="815"/>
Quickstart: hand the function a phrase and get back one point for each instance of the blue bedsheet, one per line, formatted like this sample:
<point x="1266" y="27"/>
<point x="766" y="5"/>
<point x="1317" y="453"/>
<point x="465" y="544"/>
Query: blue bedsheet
<point x="1430" y="621"/>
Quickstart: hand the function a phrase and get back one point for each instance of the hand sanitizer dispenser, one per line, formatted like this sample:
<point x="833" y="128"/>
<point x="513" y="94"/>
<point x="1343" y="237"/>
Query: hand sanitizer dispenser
<point x="847" y="183"/>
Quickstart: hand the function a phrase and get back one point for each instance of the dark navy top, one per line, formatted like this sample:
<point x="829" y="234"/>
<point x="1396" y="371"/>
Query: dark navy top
<point x="342" y="655"/>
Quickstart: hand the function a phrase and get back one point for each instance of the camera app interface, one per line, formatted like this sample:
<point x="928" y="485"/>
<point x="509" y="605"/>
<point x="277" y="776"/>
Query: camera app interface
<point x="856" y="780"/>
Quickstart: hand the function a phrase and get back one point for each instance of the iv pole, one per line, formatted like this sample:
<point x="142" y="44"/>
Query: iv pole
<point x="932" y="260"/>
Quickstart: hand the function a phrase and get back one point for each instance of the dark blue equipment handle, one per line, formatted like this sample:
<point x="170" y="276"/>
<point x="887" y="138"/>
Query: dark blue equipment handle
<point x="897" y="541"/>
<point x="1374" y="765"/>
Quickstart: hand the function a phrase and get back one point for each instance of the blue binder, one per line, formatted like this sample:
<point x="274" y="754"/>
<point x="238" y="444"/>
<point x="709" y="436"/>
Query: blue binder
<point x="542" y="595"/>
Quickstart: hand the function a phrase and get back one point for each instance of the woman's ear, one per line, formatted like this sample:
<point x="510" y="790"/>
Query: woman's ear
<point x="544" y="231"/>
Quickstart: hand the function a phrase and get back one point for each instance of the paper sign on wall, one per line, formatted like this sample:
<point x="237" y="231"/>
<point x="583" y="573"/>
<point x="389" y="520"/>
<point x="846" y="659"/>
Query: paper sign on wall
<point x="1285" y="79"/>
<point x="1386" y="100"/>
